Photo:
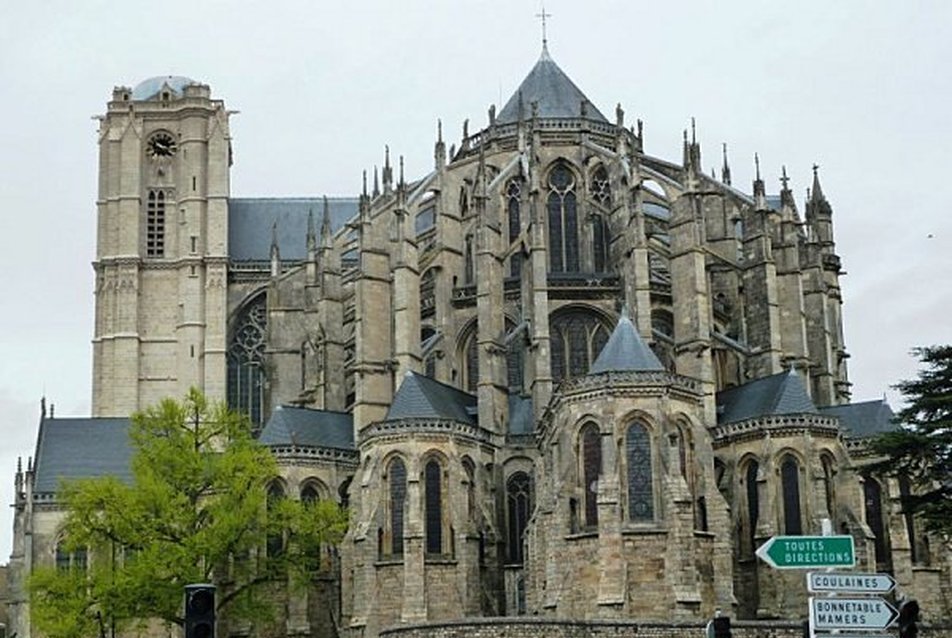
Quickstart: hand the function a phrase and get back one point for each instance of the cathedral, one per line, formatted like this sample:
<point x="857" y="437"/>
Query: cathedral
<point x="555" y="376"/>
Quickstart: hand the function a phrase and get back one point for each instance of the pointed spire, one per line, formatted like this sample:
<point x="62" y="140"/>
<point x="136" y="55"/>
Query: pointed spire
<point x="439" y="148"/>
<point x="786" y="196"/>
<point x="326" y="224"/>
<point x="760" y="195"/>
<point x="402" y="183"/>
<point x="726" y="168"/>
<point x="364" y="192"/>
<point x="817" y="191"/>
<point x="387" y="170"/>
<point x="376" y="191"/>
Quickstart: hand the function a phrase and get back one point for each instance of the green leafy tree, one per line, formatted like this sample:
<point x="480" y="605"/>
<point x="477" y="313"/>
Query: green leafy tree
<point x="197" y="510"/>
<point x="921" y="449"/>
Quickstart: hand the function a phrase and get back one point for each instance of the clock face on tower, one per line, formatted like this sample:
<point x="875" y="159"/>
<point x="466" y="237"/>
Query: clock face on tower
<point x="161" y="145"/>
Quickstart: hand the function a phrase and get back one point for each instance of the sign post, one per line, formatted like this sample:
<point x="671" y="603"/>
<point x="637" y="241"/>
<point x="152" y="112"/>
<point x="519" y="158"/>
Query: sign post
<point x="808" y="552"/>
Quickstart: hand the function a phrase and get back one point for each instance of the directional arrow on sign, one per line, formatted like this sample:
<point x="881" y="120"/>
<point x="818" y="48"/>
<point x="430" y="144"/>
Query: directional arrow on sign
<point x="850" y="583"/>
<point x="808" y="552"/>
<point x="851" y="613"/>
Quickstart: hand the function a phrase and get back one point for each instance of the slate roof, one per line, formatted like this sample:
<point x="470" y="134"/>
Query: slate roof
<point x="303" y="427"/>
<point x="421" y="397"/>
<point x="865" y="419"/>
<point x="250" y="220"/>
<point x="556" y="94"/>
<point x="625" y="351"/>
<point x="80" y="448"/>
<point x="777" y="394"/>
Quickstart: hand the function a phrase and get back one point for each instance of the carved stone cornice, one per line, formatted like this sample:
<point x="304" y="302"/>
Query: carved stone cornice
<point x="778" y="425"/>
<point x="412" y="428"/>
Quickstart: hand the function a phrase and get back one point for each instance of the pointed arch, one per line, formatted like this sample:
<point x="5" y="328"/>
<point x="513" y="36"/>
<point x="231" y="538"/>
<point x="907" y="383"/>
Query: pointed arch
<point x="433" y="506"/>
<point x="639" y="476"/>
<point x="562" y="213"/>
<point x="397" y="495"/>
<point x="577" y="336"/>
<point x="246" y="369"/>
<point x="513" y="207"/>
<point x="590" y="457"/>
<point x="750" y="469"/>
<point x="518" y="510"/>
<point x="790" y="487"/>
<point x="873" y="501"/>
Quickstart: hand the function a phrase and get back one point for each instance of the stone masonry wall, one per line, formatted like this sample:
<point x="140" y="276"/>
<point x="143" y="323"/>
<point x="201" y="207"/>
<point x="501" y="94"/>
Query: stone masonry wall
<point x="541" y="628"/>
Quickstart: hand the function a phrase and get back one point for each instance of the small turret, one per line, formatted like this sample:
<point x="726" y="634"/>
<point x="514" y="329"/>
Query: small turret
<point x="692" y="152"/>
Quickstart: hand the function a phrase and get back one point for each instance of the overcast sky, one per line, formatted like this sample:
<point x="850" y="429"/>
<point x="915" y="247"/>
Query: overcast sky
<point x="862" y="88"/>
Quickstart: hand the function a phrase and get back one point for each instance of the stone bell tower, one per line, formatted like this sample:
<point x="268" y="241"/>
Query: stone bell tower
<point x="161" y="255"/>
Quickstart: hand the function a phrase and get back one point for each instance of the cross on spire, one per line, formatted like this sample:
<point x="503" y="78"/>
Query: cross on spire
<point x="543" y="16"/>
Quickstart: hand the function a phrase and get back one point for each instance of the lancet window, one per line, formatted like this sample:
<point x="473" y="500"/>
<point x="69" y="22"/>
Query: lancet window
<point x="561" y="205"/>
<point x="577" y="338"/>
<point x="638" y="461"/>
<point x="873" y="496"/>
<point x="75" y="559"/>
<point x="518" y="509"/>
<point x="246" y="361"/>
<point x="513" y="208"/>
<point x="790" y="483"/>
<point x="753" y="503"/>
<point x="590" y="447"/>
<point x="433" y="473"/>
<point x="275" y="542"/>
<point x="397" y="474"/>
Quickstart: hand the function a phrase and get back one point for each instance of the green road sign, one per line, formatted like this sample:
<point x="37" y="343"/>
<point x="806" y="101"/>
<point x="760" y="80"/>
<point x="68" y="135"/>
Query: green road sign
<point x="808" y="552"/>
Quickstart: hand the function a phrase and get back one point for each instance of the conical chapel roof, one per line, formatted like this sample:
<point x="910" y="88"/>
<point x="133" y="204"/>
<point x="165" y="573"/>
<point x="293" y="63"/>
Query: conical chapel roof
<point x="556" y="94"/>
<point x="626" y="351"/>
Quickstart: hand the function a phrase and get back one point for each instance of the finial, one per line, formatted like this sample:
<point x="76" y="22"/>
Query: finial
<point x="465" y="128"/>
<point x="43" y="407"/>
<point x="543" y="16"/>
<point x="726" y="168"/>
<point x="326" y="222"/>
<point x="52" y="410"/>
<point x="439" y="130"/>
<point x="20" y="463"/>
<point x="365" y="182"/>
<point x="693" y="132"/>
<point x="386" y="156"/>
<point x="619" y="116"/>
<point x="274" y="235"/>
<point x="492" y="114"/>
<point x="783" y="177"/>
<point x="311" y="233"/>
<point x="757" y="166"/>
<point x="376" y="191"/>
<point x="816" y="167"/>
<point x="402" y="183"/>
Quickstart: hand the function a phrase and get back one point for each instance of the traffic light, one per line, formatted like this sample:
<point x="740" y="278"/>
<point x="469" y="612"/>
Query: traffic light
<point x="200" y="611"/>
<point x="908" y="617"/>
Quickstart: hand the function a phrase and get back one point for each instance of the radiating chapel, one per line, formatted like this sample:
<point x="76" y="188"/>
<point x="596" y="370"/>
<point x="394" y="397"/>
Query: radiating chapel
<point x="553" y="375"/>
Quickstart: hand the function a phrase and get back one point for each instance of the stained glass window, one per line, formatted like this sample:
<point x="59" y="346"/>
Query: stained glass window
<point x="246" y="361"/>
<point x="398" y="493"/>
<point x="601" y="188"/>
<point x="434" y="508"/>
<point x="563" y="220"/>
<point x="790" y="480"/>
<point x="513" y="202"/>
<point x="599" y="244"/>
<point x="472" y="362"/>
<point x="753" y="501"/>
<point x="309" y="494"/>
<point x="828" y="486"/>
<point x="640" y="487"/>
<point x="518" y="508"/>
<point x="591" y="468"/>
<point x="873" y="495"/>
<point x="576" y="339"/>
<point x="275" y="541"/>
